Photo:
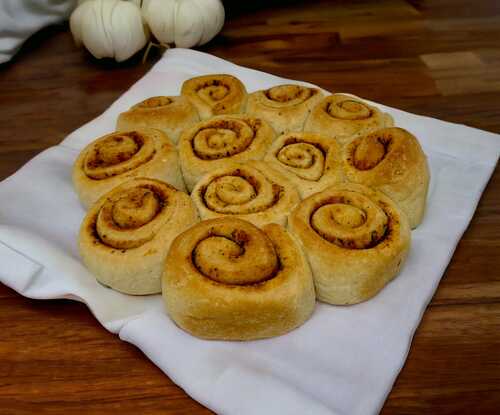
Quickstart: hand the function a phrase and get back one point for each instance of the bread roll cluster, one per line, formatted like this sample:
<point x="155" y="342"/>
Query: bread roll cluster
<point x="243" y="209"/>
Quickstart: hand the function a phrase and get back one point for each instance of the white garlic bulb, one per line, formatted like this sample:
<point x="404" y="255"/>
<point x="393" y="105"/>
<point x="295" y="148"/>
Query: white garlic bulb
<point x="109" y="28"/>
<point x="186" y="23"/>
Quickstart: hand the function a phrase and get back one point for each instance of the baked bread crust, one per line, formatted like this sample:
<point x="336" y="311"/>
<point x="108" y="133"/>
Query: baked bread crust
<point x="215" y="94"/>
<point x="120" y="156"/>
<point x="346" y="117"/>
<point x="229" y="280"/>
<point x="285" y="107"/>
<point x="392" y="161"/>
<point x="169" y="114"/>
<point x="125" y="236"/>
<point x="209" y="144"/>
<point x="310" y="161"/>
<point x="356" y="240"/>
<point x="253" y="191"/>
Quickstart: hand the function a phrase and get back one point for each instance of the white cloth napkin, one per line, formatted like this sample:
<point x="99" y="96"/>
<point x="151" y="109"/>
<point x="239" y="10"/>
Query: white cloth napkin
<point x="19" y="19"/>
<point x="344" y="360"/>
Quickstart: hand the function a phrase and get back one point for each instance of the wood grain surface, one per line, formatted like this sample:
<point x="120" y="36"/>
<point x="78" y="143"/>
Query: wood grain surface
<point x="436" y="58"/>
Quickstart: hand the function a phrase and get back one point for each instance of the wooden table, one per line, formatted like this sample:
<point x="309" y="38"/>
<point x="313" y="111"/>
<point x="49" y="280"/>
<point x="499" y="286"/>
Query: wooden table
<point x="438" y="58"/>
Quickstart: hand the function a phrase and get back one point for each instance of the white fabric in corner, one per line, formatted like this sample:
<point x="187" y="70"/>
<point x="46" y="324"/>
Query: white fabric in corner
<point x="19" y="19"/>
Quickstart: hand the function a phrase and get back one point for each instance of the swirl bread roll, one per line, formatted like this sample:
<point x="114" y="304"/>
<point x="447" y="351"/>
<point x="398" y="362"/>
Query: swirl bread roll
<point x="125" y="236"/>
<point x="215" y="94"/>
<point x="209" y="144"/>
<point x="345" y="117"/>
<point x="172" y="115"/>
<point x="120" y="156"/>
<point x="285" y="107"/>
<point x="310" y="161"/>
<point x="356" y="240"/>
<point x="252" y="191"/>
<point x="227" y="279"/>
<point x="392" y="161"/>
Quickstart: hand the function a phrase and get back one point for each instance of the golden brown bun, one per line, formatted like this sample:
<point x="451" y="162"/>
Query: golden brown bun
<point x="285" y="107"/>
<point x="215" y="94"/>
<point x="125" y="236"/>
<point x="356" y="240"/>
<point x="120" y="156"/>
<point x="392" y="161"/>
<point x="227" y="279"/>
<point x="310" y="161"/>
<point x="172" y="115"/>
<point x="252" y="191"/>
<point x="345" y="117"/>
<point x="209" y="144"/>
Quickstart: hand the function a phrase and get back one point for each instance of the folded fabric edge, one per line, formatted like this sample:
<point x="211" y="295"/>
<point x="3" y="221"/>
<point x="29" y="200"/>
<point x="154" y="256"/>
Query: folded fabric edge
<point x="35" y="158"/>
<point x="18" y="271"/>
<point x="33" y="279"/>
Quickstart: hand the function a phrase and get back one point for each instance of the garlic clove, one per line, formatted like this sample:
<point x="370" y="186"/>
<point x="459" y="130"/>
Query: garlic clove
<point x="94" y="35"/>
<point x="221" y="16"/>
<point x="189" y="24"/>
<point x="76" y="21"/>
<point x="213" y="18"/>
<point x="160" y="16"/>
<point x="128" y="33"/>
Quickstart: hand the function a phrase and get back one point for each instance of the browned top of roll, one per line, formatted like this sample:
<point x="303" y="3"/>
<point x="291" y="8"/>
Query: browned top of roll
<point x="288" y="95"/>
<point x="170" y="114"/>
<point x="227" y="279"/>
<point x="356" y="240"/>
<point x="130" y="215"/>
<point x="310" y="161"/>
<point x="215" y="94"/>
<point x="209" y="143"/>
<point x="285" y="107"/>
<point x="120" y="156"/>
<point x="345" y="117"/>
<point x="126" y="234"/>
<point x="391" y="160"/>
<point x="253" y="191"/>
<point x="350" y="220"/>
<point x="117" y="153"/>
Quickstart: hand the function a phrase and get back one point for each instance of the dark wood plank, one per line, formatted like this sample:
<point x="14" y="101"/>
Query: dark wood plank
<point x="436" y="58"/>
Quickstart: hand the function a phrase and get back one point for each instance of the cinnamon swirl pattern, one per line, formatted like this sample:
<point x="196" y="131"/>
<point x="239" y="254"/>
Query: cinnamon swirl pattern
<point x="310" y="161"/>
<point x="345" y="117"/>
<point x="285" y="107"/>
<point x="227" y="279"/>
<point x="171" y="115"/>
<point x="118" y="157"/>
<point x="215" y="94"/>
<point x="209" y="144"/>
<point x="125" y="236"/>
<point x="252" y="191"/>
<point x="392" y="161"/>
<point x="356" y="240"/>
